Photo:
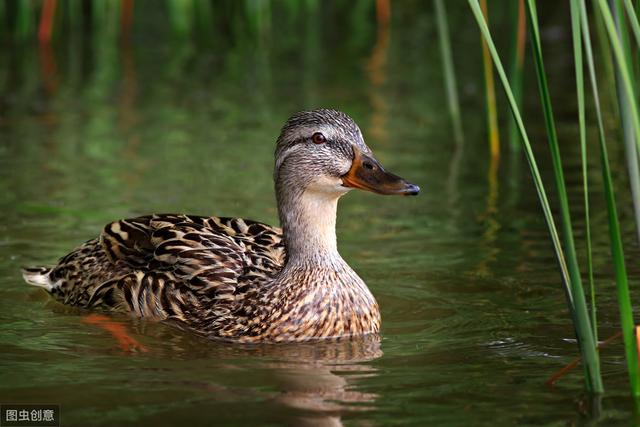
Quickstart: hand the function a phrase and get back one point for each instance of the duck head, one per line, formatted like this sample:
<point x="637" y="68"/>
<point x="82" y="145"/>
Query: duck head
<point x="323" y="151"/>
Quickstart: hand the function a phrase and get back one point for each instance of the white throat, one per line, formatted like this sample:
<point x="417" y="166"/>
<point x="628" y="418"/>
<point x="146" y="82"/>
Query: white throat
<point x="308" y="219"/>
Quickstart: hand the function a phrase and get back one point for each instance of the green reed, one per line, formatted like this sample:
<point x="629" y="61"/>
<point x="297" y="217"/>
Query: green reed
<point x="533" y="165"/>
<point x="490" y="92"/>
<point x="517" y="38"/>
<point x="619" y="45"/>
<point x="577" y="308"/>
<point x="622" y="66"/>
<point x="576" y="33"/>
<point x="633" y="20"/>
<point x="617" y="252"/>
<point x="25" y="22"/>
<point x="448" y="70"/>
<point x="584" y="328"/>
<point x="630" y="142"/>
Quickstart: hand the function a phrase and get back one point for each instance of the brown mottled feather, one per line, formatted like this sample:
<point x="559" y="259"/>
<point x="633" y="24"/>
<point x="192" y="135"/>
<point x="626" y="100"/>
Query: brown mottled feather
<point x="207" y="274"/>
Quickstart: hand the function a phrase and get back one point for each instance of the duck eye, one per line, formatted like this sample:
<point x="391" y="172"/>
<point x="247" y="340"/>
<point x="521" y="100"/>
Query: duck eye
<point x="318" y="138"/>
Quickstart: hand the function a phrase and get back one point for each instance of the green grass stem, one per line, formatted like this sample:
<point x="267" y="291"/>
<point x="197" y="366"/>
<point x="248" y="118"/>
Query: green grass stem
<point x="24" y="19"/>
<point x="449" y="71"/>
<point x="182" y="14"/>
<point x="583" y="326"/>
<point x="592" y="368"/>
<point x="626" y="111"/>
<point x="492" y="110"/>
<point x="617" y="253"/>
<point x="633" y="20"/>
<point x="517" y="37"/>
<point x="622" y="65"/>
<point x="576" y="33"/>
<point x="606" y="60"/>
<point x="542" y="195"/>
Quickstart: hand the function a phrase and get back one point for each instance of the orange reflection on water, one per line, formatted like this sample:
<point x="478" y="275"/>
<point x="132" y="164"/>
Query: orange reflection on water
<point x="377" y="72"/>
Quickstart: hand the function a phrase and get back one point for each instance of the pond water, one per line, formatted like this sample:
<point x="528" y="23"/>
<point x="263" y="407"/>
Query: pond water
<point x="474" y="316"/>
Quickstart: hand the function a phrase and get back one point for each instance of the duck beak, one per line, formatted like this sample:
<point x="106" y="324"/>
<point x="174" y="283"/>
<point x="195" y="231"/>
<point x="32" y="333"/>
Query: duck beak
<point x="367" y="173"/>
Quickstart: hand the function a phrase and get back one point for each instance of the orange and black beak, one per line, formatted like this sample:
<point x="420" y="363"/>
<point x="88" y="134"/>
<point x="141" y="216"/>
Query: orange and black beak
<point x="367" y="173"/>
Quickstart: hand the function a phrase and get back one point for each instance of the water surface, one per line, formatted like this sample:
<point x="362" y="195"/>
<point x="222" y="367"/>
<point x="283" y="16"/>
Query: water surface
<point x="474" y="318"/>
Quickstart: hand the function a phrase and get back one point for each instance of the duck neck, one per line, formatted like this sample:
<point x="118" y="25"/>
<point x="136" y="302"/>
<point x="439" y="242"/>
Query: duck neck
<point x="308" y="220"/>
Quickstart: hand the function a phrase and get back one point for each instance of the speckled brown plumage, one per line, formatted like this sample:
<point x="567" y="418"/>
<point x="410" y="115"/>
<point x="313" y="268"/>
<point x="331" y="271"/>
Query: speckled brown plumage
<point x="236" y="279"/>
<point x="215" y="276"/>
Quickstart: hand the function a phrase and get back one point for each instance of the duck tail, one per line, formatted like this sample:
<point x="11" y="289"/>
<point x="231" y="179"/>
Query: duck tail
<point x="38" y="276"/>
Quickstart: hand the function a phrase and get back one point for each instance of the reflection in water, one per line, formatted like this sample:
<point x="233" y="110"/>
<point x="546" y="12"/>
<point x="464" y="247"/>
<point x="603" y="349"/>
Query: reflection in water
<point x="490" y="218"/>
<point x="490" y="215"/>
<point x="126" y="19"/>
<point x="492" y="113"/>
<point x="304" y="373"/>
<point x="377" y="73"/>
<point x="453" y="177"/>
<point x="48" y="67"/>
<point x="315" y="383"/>
<point x="309" y="383"/>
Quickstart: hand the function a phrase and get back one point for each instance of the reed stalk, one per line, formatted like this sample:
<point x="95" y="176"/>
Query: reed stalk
<point x="24" y="18"/>
<point x="633" y="20"/>
<point x="584" y="329"/>
<point x="181" y="13"/>
<point x="617" y="252"/>
<point x="126" y="18"/>
<point x="449" y="71"/>
<point x="606" y="60"/>
<point x="518" y="37"/>
<point x="626" y="111"/>
<point x="576" y="32"/>
<point x="492" y="111"/>
<point x="622" y="65"/>
<point x="204" y="18"/>
<point x="475" y="8"/>
<point x="45" y="28"/>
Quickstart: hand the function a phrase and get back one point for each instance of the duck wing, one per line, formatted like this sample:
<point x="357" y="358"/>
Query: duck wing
<point x="210" y="255"/>
<point x="196" y="270"/>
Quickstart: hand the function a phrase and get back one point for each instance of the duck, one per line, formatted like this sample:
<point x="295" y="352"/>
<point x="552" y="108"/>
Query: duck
<point x="236" y="279"/>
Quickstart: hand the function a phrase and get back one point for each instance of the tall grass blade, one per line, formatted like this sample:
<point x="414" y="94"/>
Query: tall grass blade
<point x="24" y="18"/>
<point x="622" y="65"/>
<point x="204" y="18"/>
<point x="126" y="18"/>
<point x="606" y="60"/>
<point x="45" y="28"/>
<point x="617" y="253"/>
<point x="181" y="13"/>
<point x="492" y="111"/>
<point x="583" y="326"/>
<point x="518" y="38"/>
<point x="594" y="380"/>
<point x="449" y="71"/>
<point x="625" y="112"/>
<point x="542" y="195"/>
<point x="576" y="32"/>
<point x="633" y="20"/>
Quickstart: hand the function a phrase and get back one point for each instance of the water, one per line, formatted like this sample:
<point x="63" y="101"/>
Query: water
<point x="474" y="318"/>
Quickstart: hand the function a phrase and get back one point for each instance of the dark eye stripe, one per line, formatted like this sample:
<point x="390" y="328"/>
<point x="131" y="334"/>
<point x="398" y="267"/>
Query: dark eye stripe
<point x="339" y="144"/>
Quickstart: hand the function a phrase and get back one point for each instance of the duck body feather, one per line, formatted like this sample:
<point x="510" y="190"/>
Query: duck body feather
<point x="224" y="278"/>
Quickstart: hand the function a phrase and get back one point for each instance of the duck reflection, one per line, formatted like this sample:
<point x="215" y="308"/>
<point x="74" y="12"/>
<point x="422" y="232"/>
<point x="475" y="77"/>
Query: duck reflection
<point x="316" y="382"/>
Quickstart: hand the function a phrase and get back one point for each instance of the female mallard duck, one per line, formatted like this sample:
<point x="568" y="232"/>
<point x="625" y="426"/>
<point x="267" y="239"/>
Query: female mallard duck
<point x="236" y="279"/>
